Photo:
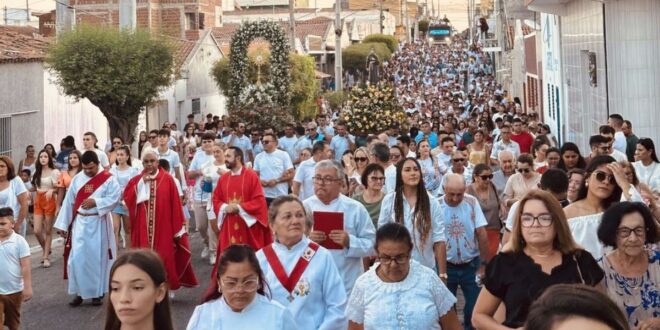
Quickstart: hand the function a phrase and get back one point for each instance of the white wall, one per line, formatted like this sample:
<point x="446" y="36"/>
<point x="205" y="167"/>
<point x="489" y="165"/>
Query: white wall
<point x="553" y="88"/>
<point x="633" y="73"/>
<point x="64" y="116"/>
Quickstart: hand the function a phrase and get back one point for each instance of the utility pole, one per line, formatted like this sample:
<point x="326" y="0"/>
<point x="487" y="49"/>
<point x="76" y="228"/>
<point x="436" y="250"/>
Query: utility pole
<point x="406" y="23"/>
<point x="338" y="32"/>
<point x="416" y="27"/>
<point x="292" y="24"/>
<point x="27" y="10"/>
<point x="381" y="18"/>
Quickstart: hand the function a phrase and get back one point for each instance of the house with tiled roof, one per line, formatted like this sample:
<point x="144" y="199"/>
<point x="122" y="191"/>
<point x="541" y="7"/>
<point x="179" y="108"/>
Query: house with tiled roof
<point x="30" y="99"/>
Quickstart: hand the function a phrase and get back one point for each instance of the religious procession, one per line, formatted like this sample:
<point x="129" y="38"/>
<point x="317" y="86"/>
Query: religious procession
<point x="426" y="192"/>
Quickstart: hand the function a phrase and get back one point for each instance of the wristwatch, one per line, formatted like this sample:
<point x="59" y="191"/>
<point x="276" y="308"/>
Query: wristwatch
<point x="443" y="276"/>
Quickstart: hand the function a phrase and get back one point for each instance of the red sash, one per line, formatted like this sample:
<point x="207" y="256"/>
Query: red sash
<point x="289" y="282"/>
<point x="83" y="193"/>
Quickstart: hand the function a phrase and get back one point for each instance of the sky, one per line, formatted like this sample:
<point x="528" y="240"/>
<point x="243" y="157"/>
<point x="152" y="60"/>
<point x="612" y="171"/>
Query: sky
<point x="456" y="11"/>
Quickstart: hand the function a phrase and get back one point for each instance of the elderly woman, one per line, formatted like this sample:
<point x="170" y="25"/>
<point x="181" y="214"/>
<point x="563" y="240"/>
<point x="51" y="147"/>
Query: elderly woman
<point x="632" y="269"/>
<point x="399" y="292"/>
<point x="242" y="297"/>
<point x="525" y="180"/>
<point x="575" y="181"/>
<point x="541" y="253"/>
<point x="301" y="274"/>
<point x="412" y="206"/>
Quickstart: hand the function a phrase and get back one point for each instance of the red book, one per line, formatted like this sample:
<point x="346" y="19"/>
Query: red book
<point x="327" y="222"/>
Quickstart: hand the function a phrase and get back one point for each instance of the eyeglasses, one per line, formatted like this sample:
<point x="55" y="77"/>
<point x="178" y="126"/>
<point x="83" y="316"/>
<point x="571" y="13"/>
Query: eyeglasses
<point x="624" y="232"/>
<point x="249" y="285"/>
<point x="603" y="177"/>
<point x="377" y="178"/>
<point x="544" y="220"/>
<point x="524" y="170"/>
<point x="320" y="180"/>
<point x="399" y="260"/>
<point x="361" y="159"/>
<point x="486" y="177"/>
<point x="457" y="160"/>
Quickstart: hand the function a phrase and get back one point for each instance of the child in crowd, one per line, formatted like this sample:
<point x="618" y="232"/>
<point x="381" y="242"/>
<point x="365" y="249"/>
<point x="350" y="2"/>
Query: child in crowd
<point x="16" y="279"/>
<point x="26" y="175"/>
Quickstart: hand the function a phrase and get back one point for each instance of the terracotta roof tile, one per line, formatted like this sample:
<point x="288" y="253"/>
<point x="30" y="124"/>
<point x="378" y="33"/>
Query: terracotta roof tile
<point x="181" y="51"/>
<point x="22" y="44"/>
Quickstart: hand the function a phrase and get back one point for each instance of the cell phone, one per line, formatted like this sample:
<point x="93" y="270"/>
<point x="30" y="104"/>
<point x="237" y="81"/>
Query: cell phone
<point x="354" y="180"/>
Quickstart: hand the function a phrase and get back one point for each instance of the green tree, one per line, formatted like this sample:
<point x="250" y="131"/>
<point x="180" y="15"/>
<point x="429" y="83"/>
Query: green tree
<point x="423" y="26"/>
<point x="389" y="41"/>
<point x="118" y="71"/>
<point x="303" y="85"/>
<point x="354" y="57"/>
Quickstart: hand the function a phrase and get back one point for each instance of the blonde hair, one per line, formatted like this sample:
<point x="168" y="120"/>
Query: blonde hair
<point x="563" y="240"/>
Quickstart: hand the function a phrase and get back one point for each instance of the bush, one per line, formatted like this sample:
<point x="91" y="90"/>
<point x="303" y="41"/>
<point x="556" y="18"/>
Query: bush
<point x="335" y="99"/>
<point x="388" y="40"/>
<point x="354" y="57"/>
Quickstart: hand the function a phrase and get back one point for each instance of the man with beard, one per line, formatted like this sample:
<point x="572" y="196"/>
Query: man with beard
<point x="90" y="243"/>
<point x="157" y="220"/>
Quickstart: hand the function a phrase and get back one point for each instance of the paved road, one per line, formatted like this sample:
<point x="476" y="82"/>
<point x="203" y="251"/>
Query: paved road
<point x="49" y="308"/>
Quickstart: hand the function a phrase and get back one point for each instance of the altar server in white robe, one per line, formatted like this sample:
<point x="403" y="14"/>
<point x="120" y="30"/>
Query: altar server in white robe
<point x="359" y="234"/>
<point x="242" y="297"/>
<point x="90" y="245"/>
<point x="301" y="274"/>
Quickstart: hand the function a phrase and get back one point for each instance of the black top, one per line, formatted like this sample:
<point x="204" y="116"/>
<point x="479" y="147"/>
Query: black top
<point x="517" y="280"/>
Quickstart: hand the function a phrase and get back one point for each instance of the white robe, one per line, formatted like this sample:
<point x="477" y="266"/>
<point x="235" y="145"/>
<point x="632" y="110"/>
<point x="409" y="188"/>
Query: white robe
<point x="319" y="301"/>
<point x="89" y="264"/>
<point x="361" y="233"/>
<point x="217" y="315"/>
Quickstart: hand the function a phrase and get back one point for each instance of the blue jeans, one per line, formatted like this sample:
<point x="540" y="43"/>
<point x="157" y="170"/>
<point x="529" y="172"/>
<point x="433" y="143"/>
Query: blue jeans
<point x="465" y="276"/>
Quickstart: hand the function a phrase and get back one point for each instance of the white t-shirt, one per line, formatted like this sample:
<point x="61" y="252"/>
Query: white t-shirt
<point x="271" y="166"/>
<point x="11" y="251"/>
<point x="172" y="157"/>
<point x="340" y="144"/>
<point x="620" y="143"/>
<point x="9" y="196"/>
<point x="461" y="222"/>
<point x="103" y="157"/>
<point x="288" y="144"/>
<point x="199" y="162"/>
<point x="304" y="174"/>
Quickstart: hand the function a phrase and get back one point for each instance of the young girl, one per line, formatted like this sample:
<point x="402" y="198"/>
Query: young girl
<point x="123" y="171"/>
<point x="44" y="181"/>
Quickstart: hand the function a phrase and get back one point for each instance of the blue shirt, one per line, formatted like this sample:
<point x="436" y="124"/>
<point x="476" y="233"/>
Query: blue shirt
<point x="432" y="138"/>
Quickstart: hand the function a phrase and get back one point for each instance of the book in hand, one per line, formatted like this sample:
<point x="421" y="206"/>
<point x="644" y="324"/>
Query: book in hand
<point x="327" y="222"/>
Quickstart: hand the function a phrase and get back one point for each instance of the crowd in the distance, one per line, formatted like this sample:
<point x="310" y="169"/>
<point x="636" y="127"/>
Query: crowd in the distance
<point x="314" y="227"/>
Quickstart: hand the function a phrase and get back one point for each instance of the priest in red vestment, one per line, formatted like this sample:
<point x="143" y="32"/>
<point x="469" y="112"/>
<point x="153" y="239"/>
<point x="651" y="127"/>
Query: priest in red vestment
<point x="240" y="205"/>
<point x="157" y="220"/>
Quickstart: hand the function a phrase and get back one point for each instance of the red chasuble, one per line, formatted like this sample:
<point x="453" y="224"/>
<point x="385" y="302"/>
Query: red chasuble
<point x="156" y="221"/>
<point x="245" y="190"/>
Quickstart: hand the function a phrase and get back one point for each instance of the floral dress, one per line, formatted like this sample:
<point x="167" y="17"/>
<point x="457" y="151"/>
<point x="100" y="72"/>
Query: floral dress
<point x="432" y="178"/>
<point x="638" y="298"/>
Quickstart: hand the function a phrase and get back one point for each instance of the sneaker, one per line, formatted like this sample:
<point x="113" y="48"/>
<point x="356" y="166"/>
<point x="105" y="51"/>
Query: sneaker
<point x="212" y="258"/>
<point x="205" y="252"/>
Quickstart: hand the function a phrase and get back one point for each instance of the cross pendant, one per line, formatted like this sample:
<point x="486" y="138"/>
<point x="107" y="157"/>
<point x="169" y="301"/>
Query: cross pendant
<point x="290" y="298"/>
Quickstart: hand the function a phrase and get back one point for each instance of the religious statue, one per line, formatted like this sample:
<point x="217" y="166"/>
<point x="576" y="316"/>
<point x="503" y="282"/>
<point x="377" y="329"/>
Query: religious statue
<point x="373" y="67"/>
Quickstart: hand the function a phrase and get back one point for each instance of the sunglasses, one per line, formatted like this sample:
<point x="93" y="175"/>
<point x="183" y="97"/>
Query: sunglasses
<point x="604" y="177"/>
<point x="524" y="170"/>
<point x="152" y="137"/>
<point x="266" y="141"/>
<point x="456" y="160"/>
<point x="361" y="159"/>
<point x="486" y="177"/>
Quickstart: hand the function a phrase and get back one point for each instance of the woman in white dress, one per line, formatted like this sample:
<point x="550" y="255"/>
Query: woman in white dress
<point x="647" y="165"/>
<point x="124" y="171"/>
<point x="313" y="291"/>
<point x="398" y="292"/>
<point x="242" y="301"/>
<point x="605" y="183"/>
<point x="412" y="206"/>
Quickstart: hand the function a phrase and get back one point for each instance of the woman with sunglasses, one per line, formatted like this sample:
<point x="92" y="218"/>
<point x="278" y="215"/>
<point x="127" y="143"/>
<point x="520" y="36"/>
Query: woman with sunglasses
<point x="540" y="254"/>
<point x="484" y="190"/>
<point x="605" y="183"/>
<point x="242" y="297"/>
<point x="123" y="170"/>
<point x="361" y="159"/>
<point x="399" y="292"/>
<point x="525" y="180"/>
<point x="112" y="153"/>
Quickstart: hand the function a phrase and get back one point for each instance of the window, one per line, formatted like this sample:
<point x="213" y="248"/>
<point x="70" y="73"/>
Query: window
<point x="190" y="21"/>
<point x="196" y="107"/>
<point x="5" y="136"/>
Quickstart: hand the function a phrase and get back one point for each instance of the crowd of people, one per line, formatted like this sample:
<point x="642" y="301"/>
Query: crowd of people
<point x="316" y="228"/>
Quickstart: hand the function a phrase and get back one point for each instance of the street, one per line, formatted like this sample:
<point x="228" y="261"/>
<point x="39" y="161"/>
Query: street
<point x="49" y="308"/>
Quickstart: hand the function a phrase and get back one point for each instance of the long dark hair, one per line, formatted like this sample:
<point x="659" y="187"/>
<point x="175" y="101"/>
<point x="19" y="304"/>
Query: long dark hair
<point x="38" y="168"/>
<point x="77" y="153"/>
<point x="649" y="145"/>
<point x="570" y="146"/>
<point x="234" y="254"/>
<point x="480" y="168"/>
<point x="150" y="263"/>
<point x="593" y="165"/>
<point x="54" y="155"/>
<point x="112" y="144"/>
<point x="127" y="150"/>
<point x="422" y="214"/>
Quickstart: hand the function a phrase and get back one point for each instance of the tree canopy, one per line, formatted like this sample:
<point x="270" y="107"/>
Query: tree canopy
<point x="119" y="71"/>
<point x="354" y="57"/>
